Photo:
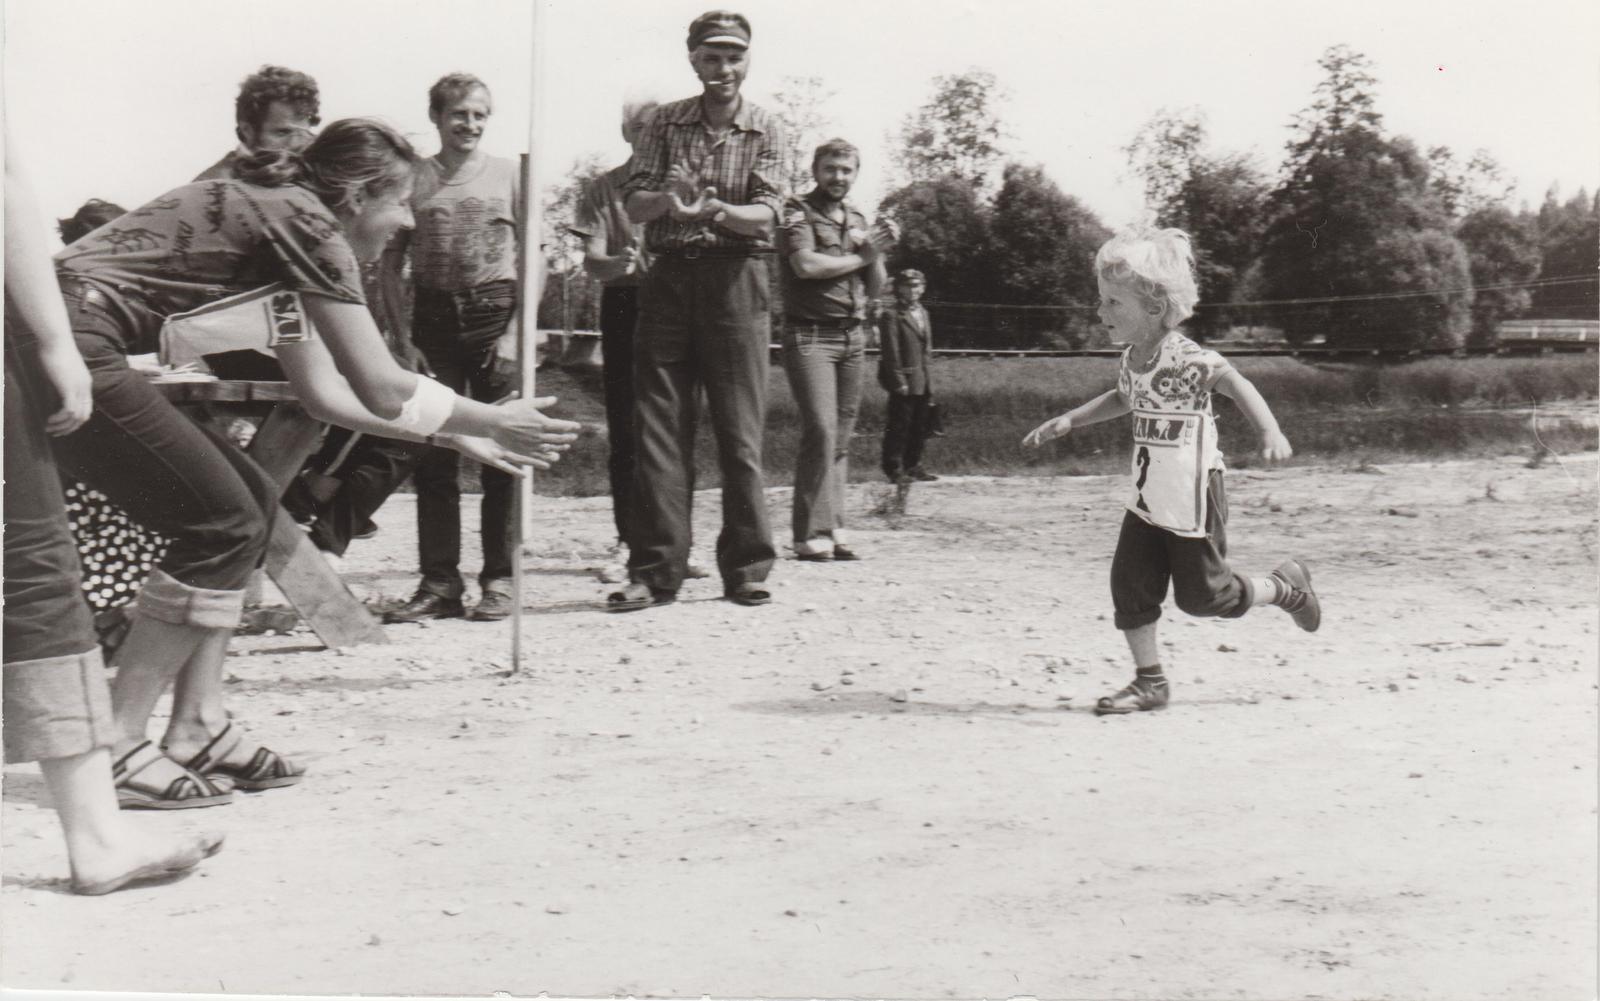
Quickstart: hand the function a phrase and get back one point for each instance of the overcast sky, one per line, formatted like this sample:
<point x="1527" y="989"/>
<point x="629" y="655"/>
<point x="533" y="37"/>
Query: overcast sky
<point x="103" y="117"/>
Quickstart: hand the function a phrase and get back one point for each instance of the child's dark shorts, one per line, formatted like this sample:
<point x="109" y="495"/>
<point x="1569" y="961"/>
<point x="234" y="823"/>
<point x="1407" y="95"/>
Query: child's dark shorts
<point x="1202" y="582"/>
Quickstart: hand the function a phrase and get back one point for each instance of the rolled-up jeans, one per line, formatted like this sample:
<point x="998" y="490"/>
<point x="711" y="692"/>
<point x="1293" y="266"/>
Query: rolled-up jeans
<point x="702" y="322"/>
<point x="824" y="366"/>
<point x="457" y="334"/>
<point x="179" y="479"/>
<point x="56" y="703"/>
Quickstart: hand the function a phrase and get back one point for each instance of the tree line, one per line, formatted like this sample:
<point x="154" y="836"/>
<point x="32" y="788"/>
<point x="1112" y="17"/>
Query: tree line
<point x="1359" y="238"/>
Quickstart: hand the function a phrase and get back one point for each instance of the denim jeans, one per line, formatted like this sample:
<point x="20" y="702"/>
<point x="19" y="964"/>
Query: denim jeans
<point x="619" y="317"/>
<point x="824" y="367"/>
<point x="55" y="699"/>
<point x="702" y="322"/>
<point x="181" y="480"/>
<point x="456" y="333"/>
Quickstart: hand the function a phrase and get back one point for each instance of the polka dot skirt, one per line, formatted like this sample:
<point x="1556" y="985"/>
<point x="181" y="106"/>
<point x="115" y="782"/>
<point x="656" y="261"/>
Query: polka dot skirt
<point x="116" y="553"/>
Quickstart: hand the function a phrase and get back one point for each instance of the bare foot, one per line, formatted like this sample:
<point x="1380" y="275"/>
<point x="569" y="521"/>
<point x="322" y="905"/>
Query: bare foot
<point x="134" y="858"/>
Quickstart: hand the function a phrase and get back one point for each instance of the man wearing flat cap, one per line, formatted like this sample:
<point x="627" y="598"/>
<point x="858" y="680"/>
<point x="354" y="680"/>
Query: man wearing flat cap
<point x="707" y="183"/>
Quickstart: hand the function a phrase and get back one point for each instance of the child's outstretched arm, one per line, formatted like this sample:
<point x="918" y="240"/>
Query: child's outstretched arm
<point x="1106" y="406"/>
<point x="1274" y="446"/>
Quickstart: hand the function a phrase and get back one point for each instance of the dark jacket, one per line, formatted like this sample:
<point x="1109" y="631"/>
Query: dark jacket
<point x="906" y="348"/>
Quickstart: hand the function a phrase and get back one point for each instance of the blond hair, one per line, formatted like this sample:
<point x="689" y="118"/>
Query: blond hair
<point x="1158" y="264"/>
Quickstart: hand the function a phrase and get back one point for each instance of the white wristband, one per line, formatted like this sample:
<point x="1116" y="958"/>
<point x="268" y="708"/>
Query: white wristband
<point x="427" y="410"/>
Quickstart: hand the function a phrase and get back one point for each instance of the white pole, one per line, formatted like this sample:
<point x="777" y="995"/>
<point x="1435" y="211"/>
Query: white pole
<point x="527" y="323"/>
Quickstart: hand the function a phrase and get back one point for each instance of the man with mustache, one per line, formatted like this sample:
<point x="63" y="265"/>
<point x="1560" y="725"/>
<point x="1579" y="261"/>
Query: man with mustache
<point x="707" y="183"/>
<point x="833" y="273"/>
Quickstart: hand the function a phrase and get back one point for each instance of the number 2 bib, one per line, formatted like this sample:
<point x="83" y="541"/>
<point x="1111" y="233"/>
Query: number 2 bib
<point x="1173" y="454"/>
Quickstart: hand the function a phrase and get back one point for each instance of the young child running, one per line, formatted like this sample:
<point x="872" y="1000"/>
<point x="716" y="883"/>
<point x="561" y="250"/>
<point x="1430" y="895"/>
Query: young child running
<point x="1175" y="525"/>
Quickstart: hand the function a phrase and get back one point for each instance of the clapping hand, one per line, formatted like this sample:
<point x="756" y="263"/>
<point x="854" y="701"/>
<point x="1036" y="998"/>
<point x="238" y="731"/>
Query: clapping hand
<point x="704" y="204"/>
<point x="682" y="182"/>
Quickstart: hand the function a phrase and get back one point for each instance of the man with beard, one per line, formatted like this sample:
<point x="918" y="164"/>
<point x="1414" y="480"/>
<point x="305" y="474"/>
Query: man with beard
<point x="833" y="273"/>
<point x="707" y="182"/>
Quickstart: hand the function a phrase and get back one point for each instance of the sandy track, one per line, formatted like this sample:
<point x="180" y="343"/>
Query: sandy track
<point x="710" y="799"/>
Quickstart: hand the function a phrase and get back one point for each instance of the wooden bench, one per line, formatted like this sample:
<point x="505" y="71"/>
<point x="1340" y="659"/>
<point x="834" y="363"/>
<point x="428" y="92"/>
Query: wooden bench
<point x="286" y="437"/>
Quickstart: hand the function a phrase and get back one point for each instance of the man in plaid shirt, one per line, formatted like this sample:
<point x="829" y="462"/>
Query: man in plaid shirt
<point x="707" y="183"/>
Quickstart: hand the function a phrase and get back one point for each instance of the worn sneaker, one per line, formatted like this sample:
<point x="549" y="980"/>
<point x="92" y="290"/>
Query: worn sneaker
<point x="1139" y="696"/>
<point x="1301" y="604"/>
<point x="425" y="605"/>
<point x="494" y="605"/>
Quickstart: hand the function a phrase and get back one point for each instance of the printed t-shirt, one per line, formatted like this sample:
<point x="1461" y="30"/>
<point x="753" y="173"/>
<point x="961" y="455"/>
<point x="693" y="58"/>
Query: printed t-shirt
<point x="466" y="226"/>
<point x="1174" y="432"/>
<point x="204" y="242"/>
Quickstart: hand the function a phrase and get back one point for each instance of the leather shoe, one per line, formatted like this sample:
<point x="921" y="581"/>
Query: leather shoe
<point x="845" y="553"/>
<point x="923" y="476"/>
<point x="425" y="605"/>
<point x="494" y="605"/>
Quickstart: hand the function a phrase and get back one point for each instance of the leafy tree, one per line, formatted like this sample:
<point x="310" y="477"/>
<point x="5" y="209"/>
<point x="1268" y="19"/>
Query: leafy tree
<point x="1465" y="188"/>
<point x="1356" y="229"/>
<point x="798" y="102"/>
<point x="945" y="234"/>
<point x="1044" y="242"/>
<point x="1216" y="198"/>
<point x="956" y="134"/>
<point x="1501" y="250"/>
<point x="1569" y="243"/>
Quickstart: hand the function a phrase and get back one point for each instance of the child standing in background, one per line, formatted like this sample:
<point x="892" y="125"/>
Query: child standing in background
<point x="1176" y="520"/>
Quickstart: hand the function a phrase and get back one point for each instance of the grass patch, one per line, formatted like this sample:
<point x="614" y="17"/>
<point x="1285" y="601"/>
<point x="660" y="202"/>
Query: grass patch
<point x="1356" y="412"/>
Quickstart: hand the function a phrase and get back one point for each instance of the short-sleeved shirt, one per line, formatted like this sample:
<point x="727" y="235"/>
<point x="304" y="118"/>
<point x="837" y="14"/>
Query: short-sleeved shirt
<point x="466" y="225"/>
<point x="806" y="226"/>
<point x="601" y="212"/>
<point x="1181" y="378"/>
<point x="745" y="166"/>
<point x="224" y="169"/>
<point x="207" y="241"/>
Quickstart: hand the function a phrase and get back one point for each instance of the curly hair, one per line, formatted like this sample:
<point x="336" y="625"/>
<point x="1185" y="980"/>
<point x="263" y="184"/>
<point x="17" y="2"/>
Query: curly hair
<point x="453" y="87"/>
<point x="1158" y="264"/>
<point x="91" y="215"/>
<point x="352" y="156"/>
<point x="835" y="147"/>
<point x="275" y="83"/>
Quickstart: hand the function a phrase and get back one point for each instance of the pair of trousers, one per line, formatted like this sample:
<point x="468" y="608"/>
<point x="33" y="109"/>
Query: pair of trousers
<point x="344" y="484"/>
<point x="182" y="480"/>
<point x="1203" y="584"/>
<point x="56" y="703"/>
<point x="619" y="316"/>
<point x="905" y="432"/>
<point x="702" y="322"/>
<point x="824" y="369"/>
<point x="457" y="334"/>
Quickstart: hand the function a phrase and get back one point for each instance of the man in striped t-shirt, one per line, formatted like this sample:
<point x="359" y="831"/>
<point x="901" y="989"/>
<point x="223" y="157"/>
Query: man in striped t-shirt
<point x="706" y="181"/>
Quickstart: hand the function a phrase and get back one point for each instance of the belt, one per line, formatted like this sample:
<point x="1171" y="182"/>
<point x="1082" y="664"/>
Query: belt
<point x="713" y="253"/>
<point x="831" y="323"/>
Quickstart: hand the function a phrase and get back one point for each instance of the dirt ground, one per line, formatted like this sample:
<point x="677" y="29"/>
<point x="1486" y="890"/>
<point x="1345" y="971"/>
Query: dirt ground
<point x="890" y="783"/>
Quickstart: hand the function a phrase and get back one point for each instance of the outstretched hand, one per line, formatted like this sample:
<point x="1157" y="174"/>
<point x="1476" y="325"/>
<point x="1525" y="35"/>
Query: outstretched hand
<point x="1055" y="427"/>
<point x="491" y="453"/>
<point x="524" y="430"/>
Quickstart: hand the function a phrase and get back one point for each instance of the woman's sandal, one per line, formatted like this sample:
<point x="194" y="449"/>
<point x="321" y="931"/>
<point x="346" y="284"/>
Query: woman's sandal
<point x="188" y="791"/>
<point x="166" y="869"/>
<point x="636" y="596"/>
<point x="265" y="770"/>
<point x="749" y="593"/>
